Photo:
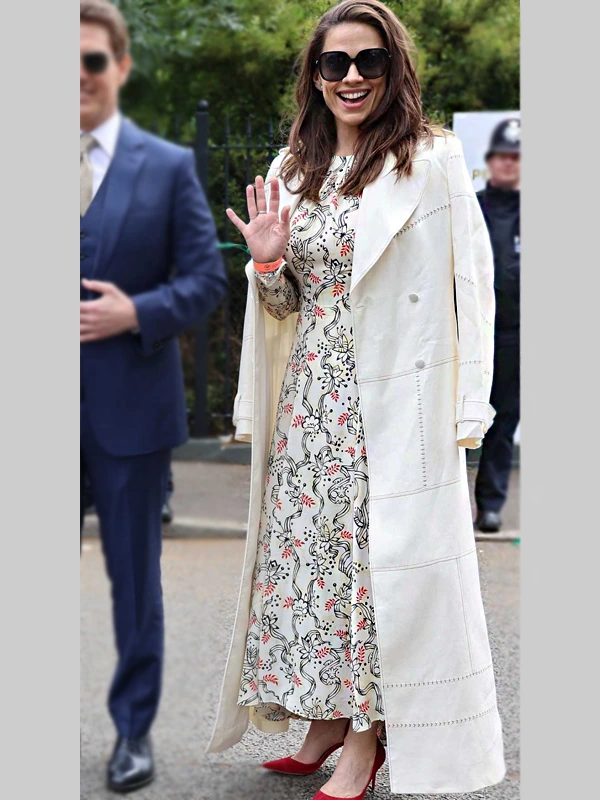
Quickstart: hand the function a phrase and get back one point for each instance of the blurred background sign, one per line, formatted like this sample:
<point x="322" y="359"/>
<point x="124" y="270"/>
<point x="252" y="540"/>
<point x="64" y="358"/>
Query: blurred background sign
<point x="474" y="129"/>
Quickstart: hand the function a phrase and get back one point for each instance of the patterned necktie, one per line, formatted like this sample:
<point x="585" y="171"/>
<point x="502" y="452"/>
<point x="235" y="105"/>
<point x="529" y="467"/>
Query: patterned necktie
<point x="86" y="174"/>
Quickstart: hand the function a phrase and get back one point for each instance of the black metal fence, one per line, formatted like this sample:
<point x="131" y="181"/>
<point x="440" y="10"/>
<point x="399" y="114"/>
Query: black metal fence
<point x="211" y="352"/>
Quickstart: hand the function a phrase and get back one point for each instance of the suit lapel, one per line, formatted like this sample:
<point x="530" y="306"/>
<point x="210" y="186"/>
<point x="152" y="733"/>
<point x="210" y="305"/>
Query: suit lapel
<point x="385" y="206"/>
<point x="121" y="178"/>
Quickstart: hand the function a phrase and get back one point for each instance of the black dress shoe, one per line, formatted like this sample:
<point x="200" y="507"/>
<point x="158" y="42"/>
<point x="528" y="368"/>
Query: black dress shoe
<point x="167" y="514"/>
<point x="131" y="765"/>
<point x="488" y="521"/>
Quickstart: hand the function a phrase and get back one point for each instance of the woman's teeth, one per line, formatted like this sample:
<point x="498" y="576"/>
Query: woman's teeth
<point x="353" y="97"/>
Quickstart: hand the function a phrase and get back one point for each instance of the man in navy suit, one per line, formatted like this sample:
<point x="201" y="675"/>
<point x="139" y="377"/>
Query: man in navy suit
<point x="149" y="269"/>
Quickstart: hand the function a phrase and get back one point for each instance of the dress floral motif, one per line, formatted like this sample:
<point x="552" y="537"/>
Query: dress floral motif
<point x="311" y="649"/>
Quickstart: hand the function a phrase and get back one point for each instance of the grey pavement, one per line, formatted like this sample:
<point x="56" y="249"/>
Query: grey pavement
<point x="211" y="500"/>
<point x="200" y="578"/>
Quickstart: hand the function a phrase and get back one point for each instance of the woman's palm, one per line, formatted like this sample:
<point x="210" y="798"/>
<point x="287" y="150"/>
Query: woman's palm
<point x="266" y="234"/>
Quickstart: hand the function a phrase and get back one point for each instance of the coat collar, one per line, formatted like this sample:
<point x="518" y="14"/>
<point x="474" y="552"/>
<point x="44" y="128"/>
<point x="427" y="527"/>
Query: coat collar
<point x="385" y="206"/>
<point x="120" y="179"/>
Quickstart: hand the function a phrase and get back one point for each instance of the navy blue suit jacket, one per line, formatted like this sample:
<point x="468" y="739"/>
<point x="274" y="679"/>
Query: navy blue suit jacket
<point x="158" y="244"/>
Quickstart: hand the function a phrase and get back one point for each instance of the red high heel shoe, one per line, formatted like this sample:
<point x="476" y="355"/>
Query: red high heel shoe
<point x="379" y="760"/>
<point x="290" y="766"/>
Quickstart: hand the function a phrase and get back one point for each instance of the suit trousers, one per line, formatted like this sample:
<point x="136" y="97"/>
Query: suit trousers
<point x="129" y="493"/>
<point x="491" y="484"/>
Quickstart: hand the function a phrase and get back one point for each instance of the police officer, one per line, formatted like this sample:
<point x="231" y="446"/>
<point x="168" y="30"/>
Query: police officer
<point x="500" y="203"/>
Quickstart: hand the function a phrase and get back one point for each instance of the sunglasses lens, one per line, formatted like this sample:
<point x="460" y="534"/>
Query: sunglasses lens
<point x="334" y="65"/>
<point x="372" y="63"/>
<point x="95" y="63"/>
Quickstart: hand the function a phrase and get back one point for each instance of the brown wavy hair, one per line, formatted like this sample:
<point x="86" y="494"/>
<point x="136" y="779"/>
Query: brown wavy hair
<point x="397" y="125"/>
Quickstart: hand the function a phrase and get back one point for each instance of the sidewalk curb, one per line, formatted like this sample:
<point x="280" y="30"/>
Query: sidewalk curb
<point x="196" y="528"/>
<point x="215" y="449"/>
<point x="183" y="528"/>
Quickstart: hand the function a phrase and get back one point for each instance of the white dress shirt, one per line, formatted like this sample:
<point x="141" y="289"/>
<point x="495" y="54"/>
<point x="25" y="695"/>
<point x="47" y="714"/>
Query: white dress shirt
<point x="100" y="157"/>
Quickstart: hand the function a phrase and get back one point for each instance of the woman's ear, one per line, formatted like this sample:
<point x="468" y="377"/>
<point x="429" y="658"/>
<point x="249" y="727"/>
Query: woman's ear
<point x="317" y="81"/>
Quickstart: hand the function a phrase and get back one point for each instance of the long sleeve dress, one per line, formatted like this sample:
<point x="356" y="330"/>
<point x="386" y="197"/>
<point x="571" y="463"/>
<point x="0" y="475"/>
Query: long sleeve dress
<point x="311" y="649"/>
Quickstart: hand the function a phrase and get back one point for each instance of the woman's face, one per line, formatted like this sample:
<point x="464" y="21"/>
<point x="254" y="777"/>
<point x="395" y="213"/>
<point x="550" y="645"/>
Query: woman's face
<point x="354" y="98"/>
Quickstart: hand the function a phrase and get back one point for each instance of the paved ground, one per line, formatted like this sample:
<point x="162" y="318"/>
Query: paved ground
<point x="200" y="586"/>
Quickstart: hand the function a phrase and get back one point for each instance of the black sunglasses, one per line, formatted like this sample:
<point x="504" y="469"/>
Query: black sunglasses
<point x="372" y="63"/>
<point x="95" y="63"/>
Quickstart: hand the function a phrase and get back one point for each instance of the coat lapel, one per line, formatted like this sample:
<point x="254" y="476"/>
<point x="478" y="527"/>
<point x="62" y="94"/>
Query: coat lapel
<point x="121" y="177"/>
<point x="288" y="198"/>
<point x="385" y="206"/>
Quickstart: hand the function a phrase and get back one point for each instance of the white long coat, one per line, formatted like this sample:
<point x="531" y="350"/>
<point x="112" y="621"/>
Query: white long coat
<point x="424" y="392"/>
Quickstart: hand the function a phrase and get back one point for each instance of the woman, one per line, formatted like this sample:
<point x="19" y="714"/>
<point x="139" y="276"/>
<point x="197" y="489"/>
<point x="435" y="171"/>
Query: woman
<point x="360" y="599"/>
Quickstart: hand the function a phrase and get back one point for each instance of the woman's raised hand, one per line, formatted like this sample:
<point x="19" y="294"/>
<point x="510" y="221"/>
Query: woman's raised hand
<point x="266" y="234"/>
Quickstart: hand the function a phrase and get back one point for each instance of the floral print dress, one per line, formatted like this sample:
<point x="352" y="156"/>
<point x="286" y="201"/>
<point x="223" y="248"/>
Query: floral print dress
<point x="311" y="649"/>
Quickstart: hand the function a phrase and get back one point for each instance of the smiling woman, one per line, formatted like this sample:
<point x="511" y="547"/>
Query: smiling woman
<point x="360" y="609"/>
<point x="357" y="93"/>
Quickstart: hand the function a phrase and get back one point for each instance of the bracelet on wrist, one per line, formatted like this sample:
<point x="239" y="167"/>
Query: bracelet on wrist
<point x="270" y="266"/>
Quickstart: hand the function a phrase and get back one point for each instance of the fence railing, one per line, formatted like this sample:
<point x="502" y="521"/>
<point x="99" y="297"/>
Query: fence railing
<point x="224" y="171"/>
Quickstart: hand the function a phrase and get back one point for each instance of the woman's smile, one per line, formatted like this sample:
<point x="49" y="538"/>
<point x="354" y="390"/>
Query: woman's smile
<point x="354" y="99"/>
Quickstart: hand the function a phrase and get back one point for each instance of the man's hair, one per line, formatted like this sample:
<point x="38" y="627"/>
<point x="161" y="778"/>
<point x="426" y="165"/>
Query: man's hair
<point x="101" y="12"/>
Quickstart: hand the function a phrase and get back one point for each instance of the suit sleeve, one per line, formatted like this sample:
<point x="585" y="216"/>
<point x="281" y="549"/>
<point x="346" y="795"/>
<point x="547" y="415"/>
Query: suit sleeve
<point x="475" y="303"/>
<point x="200" y="282"/>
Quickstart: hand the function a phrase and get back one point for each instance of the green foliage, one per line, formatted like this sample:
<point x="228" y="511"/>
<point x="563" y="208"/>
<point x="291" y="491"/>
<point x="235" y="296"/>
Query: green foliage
<point x="240" y="56"/>
<point x="468" y="53"/>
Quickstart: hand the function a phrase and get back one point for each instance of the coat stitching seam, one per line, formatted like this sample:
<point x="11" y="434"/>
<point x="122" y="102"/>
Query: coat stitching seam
<point x="440" y="681"/>
<point x="462" y="600"/>
<point x="422" y="219"/>
<point x="431" y="563"/>
<point x="444" y="722"/>
<point x="421" y="432"/>
<point x="410" y="371"/>
<point x="414" y="491"/>
<point x="465" y="278"/>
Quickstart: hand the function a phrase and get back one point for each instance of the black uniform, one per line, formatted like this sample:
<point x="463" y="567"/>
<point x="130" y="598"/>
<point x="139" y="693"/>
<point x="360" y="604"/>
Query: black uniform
<point x="501" y="209"/>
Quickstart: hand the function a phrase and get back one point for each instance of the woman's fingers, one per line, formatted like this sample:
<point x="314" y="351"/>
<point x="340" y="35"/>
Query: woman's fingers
<point x="261" y="200"/>
<point x="239" y="224"/>
<point x="285" y="215"/>
<point x="274" y="196"/>
<point x="251" y="200"/>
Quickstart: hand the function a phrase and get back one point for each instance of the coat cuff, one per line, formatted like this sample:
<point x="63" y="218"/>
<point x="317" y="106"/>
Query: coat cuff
<point x="242" y="419"/>
<point x="473" y="419"/>
<point x="469" y="434"/>
<point x="475" y="410"/>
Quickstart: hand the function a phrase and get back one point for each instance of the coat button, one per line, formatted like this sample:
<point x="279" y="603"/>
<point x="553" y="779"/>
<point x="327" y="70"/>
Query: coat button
<point x="413" y="298"/>
<point x="82" y="234"/>
<point x="419" y="364"/>
<point x="82" y="256"/>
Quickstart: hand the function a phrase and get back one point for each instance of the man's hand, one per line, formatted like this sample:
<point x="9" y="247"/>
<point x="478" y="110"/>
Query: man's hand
<point x="111" y="314"/>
